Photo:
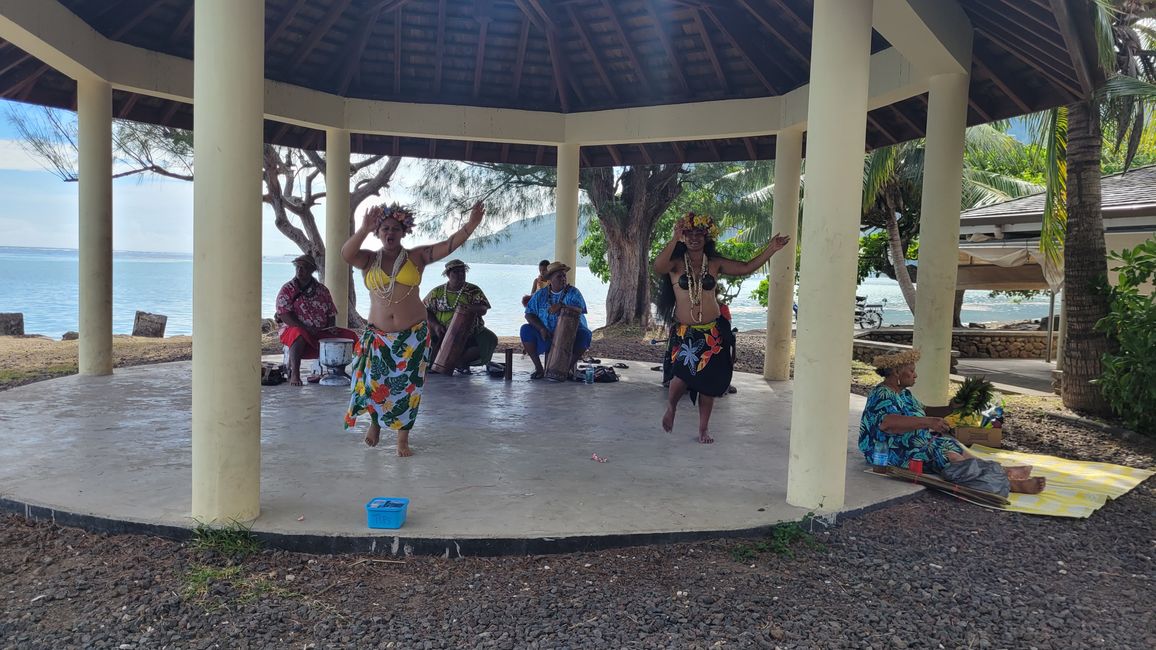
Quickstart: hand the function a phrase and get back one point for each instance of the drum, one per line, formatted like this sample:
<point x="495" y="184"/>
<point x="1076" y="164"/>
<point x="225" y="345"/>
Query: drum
<point x="334" y="355"/>
<point x="454" y="342"/>
<point x="562" y="345"/>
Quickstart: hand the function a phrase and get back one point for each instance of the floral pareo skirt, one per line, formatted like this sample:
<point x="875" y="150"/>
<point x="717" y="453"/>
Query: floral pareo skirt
<point x="701" y="356"/>
<point x="388" y="376"/>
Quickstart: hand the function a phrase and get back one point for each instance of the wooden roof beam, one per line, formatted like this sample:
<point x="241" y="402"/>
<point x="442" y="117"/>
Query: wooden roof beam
<point x="906" y="120"/>
<point x="20" y="91"/>
<point x="1051" y="75"/>
<point x="770" y="27"/>
<point x="592" y="51"/>
<point x="142" y="12"/>
<point x="752" y="151"/>
<point x="1004" y="88"/>
<point x="15" y="64"/>
<point x="1043" y="61"/>
<point x="1081" y="58"/>
<point x="272" y="36"/>
<point x="318" y="32"/>
<point x="483" y="18"/>
<point x="645" y="154"/>
<point x="880" y="128"/>
<point x="667" y="45"/>
<point x="438" y="49"/>
<point x="184" y="23"/>
<point x="397" y="19"/>
<point x="353" y="58"/>
<point x="170" y="112"/>
<point x="979" y="110"/>
<point x="520" y="61"/>
<point x="747" y="52"/>
<point x="133" y="98"/>
<point x="711" y="54"/>
<point x="616" y="23"/>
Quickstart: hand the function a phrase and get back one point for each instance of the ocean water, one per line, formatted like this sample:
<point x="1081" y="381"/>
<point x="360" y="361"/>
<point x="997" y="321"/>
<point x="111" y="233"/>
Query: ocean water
<point x="43" y="284"/>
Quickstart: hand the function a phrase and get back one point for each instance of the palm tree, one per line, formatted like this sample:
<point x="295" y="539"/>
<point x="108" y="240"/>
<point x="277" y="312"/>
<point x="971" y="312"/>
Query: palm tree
<point x="1122" y="72"/>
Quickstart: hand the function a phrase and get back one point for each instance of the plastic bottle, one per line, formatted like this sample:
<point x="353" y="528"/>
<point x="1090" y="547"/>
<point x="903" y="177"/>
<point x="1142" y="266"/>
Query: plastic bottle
<point x="880" y="455"/>
<point x="589" y="374"/>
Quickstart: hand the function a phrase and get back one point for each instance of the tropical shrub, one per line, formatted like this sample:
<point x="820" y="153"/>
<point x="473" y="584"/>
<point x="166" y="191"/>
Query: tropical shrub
<point x="1128" y="378"/>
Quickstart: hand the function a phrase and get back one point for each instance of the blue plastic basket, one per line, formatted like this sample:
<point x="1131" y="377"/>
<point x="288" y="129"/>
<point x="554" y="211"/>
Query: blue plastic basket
<point x="386" y="512"/>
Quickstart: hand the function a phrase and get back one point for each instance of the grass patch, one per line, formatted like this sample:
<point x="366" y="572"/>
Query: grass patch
<point x="200" y="579"/>
<point x="782" y="541"/>
<point x="234" y="540"/>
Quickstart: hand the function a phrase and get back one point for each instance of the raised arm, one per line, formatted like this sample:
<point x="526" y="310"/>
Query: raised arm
<point x="663" y="264"/>
<point x="351" y="250"/>
<point x="739" y="269"/>
<point x="428" y="254"/>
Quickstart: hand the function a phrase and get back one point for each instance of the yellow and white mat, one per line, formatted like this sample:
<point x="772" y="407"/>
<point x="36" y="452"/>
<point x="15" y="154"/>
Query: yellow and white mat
<point x="1075" y="488"/>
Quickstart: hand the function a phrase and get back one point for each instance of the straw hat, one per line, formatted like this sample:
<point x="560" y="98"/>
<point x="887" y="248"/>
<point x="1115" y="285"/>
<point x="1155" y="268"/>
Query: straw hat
<point x="554" y="267"/>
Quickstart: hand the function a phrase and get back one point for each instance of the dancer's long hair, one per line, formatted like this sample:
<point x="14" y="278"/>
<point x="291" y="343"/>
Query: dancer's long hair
<point x="665" y="302"/>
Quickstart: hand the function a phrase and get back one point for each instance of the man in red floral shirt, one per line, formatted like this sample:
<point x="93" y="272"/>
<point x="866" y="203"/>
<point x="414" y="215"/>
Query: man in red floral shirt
<point x="307" y="314"/>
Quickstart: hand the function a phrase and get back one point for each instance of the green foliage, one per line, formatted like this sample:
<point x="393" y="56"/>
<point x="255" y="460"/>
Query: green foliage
<point x="234" y="540"/>
<point x="760" y="292"/>
<point x="974" y="395"/>
<point x="781" y="541"/>
<point x="873" y="257"/>
<point x="1128" y="378"/>
<point x="1016" y="295"/>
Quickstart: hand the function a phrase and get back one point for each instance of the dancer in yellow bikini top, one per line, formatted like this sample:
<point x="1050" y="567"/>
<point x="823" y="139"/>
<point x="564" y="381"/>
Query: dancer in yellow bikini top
<point x="397" y="320"/>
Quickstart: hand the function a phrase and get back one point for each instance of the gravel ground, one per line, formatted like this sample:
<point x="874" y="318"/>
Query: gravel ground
<point x="928" y="572"/>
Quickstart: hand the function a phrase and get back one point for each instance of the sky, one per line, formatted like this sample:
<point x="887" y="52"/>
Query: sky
<point x="149" y="213"/>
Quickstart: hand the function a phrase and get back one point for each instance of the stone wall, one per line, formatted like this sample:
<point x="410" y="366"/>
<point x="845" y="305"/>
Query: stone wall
<point x="980" y="344"/>
<point x="866" y="351"/>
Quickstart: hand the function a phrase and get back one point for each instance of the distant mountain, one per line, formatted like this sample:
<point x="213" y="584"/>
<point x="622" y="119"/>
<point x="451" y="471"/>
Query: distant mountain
<point x="522" y="242"/>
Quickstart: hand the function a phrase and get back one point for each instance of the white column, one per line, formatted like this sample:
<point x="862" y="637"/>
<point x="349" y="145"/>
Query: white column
<point x="939" y="234"/>
<point x="781" y="285"/>
<point x="836" y="135"/>
<point x="94" y="111"/>
<point x="566" y="207"/>
<point x="228" y="84"/>
<point x="337" y="219"/>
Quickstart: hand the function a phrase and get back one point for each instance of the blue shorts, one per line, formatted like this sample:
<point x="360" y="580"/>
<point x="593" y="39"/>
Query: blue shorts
<point x="530" y="335"/>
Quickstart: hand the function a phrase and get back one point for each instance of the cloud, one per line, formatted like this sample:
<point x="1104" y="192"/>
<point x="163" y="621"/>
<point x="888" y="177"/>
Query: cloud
<point x="14" y="158"/>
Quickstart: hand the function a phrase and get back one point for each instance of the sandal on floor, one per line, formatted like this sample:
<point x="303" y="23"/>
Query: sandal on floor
<point x="624" y="366"/>
<point x="731" y="390"/>
<point x="592" y="360"/>
<point x="313" y="379"/>
<point x="657" y="368"/>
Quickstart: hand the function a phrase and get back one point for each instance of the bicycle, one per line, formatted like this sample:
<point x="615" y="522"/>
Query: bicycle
<point x="868" y="316"/>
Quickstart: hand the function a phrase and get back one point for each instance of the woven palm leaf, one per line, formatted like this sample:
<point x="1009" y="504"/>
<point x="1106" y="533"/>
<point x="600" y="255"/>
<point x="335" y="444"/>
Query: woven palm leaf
<point x="974" y="395"/>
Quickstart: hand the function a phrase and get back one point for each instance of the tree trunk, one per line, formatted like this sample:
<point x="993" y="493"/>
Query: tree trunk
<point x="1085" y="265"/>
<point x="628" y="296"/>
<point x="628" y="221"/>
<point x="956" y="321"/>
<point x="899" y="261"/>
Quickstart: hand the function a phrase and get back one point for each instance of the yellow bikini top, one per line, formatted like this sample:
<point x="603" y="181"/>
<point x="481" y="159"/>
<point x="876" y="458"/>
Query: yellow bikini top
<point x="376" y="279"/>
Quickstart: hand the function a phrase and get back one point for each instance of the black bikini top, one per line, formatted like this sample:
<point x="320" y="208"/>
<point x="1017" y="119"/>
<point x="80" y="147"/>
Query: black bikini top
<point x="707" y="282"/>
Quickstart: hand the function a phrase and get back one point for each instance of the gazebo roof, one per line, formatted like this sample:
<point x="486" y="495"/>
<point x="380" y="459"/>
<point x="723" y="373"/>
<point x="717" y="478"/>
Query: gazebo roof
<point x="563" y="56"/>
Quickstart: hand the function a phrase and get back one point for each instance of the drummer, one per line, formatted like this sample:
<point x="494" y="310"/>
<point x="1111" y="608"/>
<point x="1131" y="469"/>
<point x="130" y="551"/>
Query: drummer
<point x="306" y="313"/>
<point x="542" y="318"/>
<point x="440" y="304"/>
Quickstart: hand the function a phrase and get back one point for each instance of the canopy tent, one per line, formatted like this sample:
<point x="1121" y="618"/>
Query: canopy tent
<point x="999" y="243"/>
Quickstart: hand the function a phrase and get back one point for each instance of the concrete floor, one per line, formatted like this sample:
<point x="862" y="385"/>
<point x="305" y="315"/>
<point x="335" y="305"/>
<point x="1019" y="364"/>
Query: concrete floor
<point x="494" y="460"/>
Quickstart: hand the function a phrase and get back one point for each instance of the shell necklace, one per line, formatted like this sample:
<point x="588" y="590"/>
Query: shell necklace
<point x="387" y="292"/>
<point x="694" y="286"/>
<point x="457" y="298"/>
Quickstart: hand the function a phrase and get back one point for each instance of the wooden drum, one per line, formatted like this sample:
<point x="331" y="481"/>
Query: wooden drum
<point x="562" y="345"/>
<point x="454" y="342"/>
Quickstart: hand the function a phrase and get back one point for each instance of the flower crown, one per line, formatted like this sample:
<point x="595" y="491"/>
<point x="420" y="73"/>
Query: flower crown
<point x="394" y="211"/>
<point x="703" y="222"/>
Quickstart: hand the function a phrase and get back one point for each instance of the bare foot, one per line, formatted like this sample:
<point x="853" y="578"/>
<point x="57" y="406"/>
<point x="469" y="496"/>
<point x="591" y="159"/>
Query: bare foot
<point x="403" y="449"/>
<point x="1028" y="485"/>
<point x="295" y="379"/>
<point x="538" y="374"/>
<point x="373" y="435"/>
<point x="668" y="419"/>
<point x="704" y="438"/>
<point x="1019" y="471"/>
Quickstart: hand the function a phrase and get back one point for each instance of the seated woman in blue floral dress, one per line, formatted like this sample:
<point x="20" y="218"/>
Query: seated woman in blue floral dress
<point x="911" y="431"/>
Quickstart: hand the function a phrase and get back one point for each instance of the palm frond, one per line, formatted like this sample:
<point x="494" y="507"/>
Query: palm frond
<point x="1055" y="217"/>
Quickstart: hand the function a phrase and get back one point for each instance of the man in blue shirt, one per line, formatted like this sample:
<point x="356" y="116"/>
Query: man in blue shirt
<point x="542" y="318"/>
